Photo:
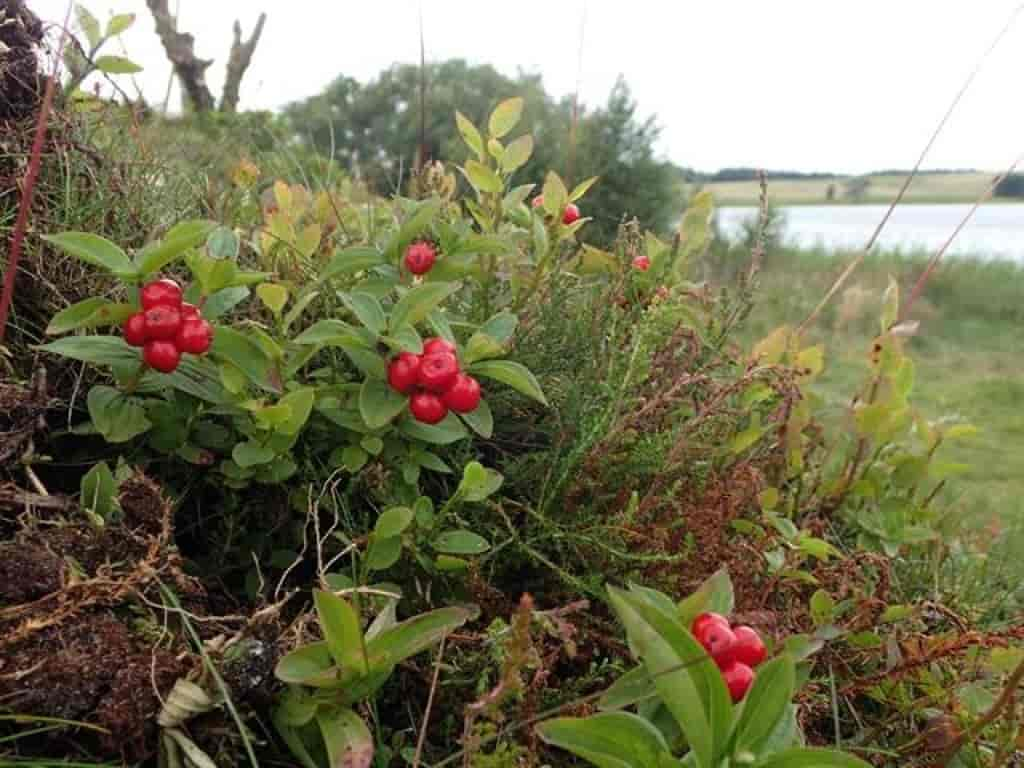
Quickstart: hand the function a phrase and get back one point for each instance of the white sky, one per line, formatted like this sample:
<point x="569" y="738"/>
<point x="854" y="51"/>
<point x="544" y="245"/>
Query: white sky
<point x="795" y="84"/>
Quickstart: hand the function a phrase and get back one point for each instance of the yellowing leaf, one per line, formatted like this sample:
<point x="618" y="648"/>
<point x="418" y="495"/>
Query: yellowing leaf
<point x="470" y="135"/>
<point x="773" y="346"/>
<point x="504" y="117"/>
<point x="273" y="296"/>
<point x="308" y="240"/>
<point x="517" y="153"/>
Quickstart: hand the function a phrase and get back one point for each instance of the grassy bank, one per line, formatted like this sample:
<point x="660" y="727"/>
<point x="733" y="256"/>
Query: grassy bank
<point x="967" y="351"/>
<point x="928" y="188"/>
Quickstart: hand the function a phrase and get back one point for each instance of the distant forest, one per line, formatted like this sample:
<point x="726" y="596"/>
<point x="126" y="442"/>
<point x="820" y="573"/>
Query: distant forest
<point x="751" y="174"/>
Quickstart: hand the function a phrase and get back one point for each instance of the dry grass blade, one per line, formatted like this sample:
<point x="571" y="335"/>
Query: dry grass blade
<point x="852" y="266"/>
<point x="934" y="261"/>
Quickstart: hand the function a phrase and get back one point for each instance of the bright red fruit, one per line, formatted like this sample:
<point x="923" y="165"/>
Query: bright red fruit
<point x="427" y="407"/>
<point x="438" y="371"/>
<point x="420" y="258"/>
<point x="437" y="344"/>
<point x="642" y="263"/>
<point x="707" y="618"/>
<point x="570" y="214"/>
<point x="464" y="395"/>
<point x="538" y="201"/>
<point x="189" y="310"/>
<point x="403" y="372"/>
<point x="134" y="329"/>
<point x="738" y="679"/>
<point x="748" y="648"/>
<point x="717" y="640"/>
<point x="162" y="322"/>
<point x="161" y="293"/>
<point x="195" y="336"/>
<point x="162" y="356"/>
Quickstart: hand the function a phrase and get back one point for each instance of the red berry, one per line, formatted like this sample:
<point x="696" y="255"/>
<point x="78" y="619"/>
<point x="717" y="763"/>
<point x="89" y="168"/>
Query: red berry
<point x="195" y="336"/>
<point x="403" y="372"/>
<point x="738" y="679"/>
<point x="427" y="407"/>
<point x="642" y="263"/>
<point x="190" y="310"/>
<point x="437" y="344"/>
<point x="162" y="356"/>
<point x="707" y="618"/>
<point x="134" y="329"/>
<point x="538" y="201"/>
<point x="420" y="257"/>
<point x="570" y="214"/>
<point x="464" y="395"/>
<point x="717" y="640"/>
<point x="748" y="648"/>
<point x="161" y="293"/>
<point x="162" y="322"/>
<point x="438" y="371"/>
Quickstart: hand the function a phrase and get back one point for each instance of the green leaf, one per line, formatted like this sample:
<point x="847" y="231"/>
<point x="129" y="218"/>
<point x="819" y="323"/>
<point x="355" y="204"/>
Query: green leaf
<point x="517" y="153"/>
<point x="223" y="301"/>
<point x="823" y="608"/>
<point x="95" y="250"/>
<point x="582" y="188"/>
<point x="117" y="65"/>
<point x="248" y="356"/>
<point x="448" y="431"/>
<point x="496" y="149"/>
<point x="367" y="310"/>
<point x="514" y="374"/>
<point x="99" y="491"/>
<point x="480" y="420"/>
<point x="348" y="261"/>
<point x="180" y="238"/>
<point x="329" y="332"/>
<point x="90" y="25"/>
<point x="479" y="482"/>
<point x="393" y="522"/>
<point x="631" y="688"/>
<point x="687" y="679"/>
<point x="555" y="194"/>
<point x="694" y="228"/>
<point x="470" y="135"/>
<point x="352" y="457"/>
<point x="461" y="543"/>
<point x="410" y="637"/>
<point x="300" y="404"/>
<point x="340" y="625"/>
<point x="89" y="313"/>
<point x="348" y="741"/>
<point x="119" y="23"/>
<point x="273" y="296"/>
<point x="608" y="740"/>
<point x="806" y="757"/>
<point x="383" y="552"/>
<point x="481" y="346"/>
<point x="418" y="302"/>
<point x="252" y="454"/>
<point x="311" y="665"/>
<point x="300" y="305"/>
<point x="500" y="327"/>
<point x="116" y="416"/>
<point x="714" y="595"/>
<point x="223" y="244"/>
<point x="482" y="177"/>
<point x="504" y="117"/>
<point x="765" y="703"/>
<point x="379" y="404"/>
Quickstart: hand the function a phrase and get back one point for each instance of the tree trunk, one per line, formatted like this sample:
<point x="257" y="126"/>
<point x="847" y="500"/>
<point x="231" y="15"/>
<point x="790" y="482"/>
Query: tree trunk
<point x="238" y="62"/>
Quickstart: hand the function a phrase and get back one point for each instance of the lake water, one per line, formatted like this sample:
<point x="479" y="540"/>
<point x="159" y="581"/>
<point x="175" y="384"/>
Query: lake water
<point x="995" y="231"/>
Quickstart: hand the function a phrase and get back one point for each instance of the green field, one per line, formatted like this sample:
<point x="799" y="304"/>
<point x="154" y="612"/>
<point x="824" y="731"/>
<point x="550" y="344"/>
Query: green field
<point x="928" y="188"/>
<point x="967" y="354"/>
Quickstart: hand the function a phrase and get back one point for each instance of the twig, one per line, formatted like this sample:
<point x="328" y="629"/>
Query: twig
<point x="430" y="704"/>
<point x="1005" y="701"/>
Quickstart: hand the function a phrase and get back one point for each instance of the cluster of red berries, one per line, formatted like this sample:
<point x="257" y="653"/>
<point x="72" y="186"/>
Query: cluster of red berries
<point x="736" y="650"/>
<point x="569" y="215"/>
<point x="420" y="257"/>
<point x="641" y="263"/>
<point x="434" y="383"/>
<point x="167" y="327"/>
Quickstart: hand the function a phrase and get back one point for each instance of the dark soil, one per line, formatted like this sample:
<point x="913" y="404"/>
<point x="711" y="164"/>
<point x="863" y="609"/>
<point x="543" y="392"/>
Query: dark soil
<point x="20" y="80"/>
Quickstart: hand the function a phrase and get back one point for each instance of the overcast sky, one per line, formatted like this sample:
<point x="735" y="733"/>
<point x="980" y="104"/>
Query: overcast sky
<point x="798" y="84"/>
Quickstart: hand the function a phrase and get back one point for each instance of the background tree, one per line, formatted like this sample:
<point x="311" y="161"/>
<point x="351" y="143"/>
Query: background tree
<point x="374" y="131"/>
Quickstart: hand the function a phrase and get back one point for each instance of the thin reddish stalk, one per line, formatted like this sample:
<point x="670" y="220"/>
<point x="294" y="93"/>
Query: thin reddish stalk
<point x="29" y="186"/>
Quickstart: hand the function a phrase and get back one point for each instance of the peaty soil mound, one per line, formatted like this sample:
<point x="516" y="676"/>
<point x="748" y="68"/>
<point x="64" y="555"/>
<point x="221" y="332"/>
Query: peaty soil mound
<point x="21" y="35"/>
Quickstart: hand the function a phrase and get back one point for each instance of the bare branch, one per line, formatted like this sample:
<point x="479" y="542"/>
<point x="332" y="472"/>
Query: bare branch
<point x="180" y="49"/>
<point x="238" y="62"/>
